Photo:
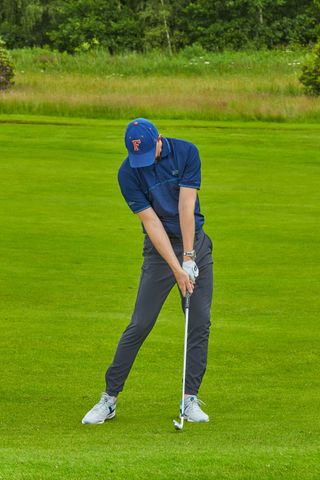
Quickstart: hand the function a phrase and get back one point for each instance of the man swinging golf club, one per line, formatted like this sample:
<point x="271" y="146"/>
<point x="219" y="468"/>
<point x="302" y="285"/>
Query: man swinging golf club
<point x="159" y="181"/>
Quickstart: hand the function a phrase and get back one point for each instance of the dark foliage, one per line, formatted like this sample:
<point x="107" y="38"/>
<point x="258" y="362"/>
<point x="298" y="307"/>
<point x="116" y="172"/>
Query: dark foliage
<point x="6" y="68"/>
<point x="142" y="25"/>
<point x="310" y="76"/>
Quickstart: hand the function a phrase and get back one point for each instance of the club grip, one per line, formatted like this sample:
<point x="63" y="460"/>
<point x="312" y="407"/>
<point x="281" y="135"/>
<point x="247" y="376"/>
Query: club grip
<point x="187" y="304"/>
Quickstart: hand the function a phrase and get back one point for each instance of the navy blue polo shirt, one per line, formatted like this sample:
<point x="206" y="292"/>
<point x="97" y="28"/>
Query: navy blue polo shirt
<point x="158" y="185"/>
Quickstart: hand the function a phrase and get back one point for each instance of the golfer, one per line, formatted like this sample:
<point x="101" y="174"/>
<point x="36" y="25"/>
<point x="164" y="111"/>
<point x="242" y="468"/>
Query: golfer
<point x="159" y="181"/>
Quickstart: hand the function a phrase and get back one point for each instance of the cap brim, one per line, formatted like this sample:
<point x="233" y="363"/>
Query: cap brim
<point x="142" y="160"/>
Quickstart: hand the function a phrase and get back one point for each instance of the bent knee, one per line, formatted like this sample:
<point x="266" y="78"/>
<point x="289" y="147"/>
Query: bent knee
<point x="138" y="330"/>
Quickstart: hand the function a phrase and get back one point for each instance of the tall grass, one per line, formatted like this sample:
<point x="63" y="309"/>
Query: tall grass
<point x="221" y="86"/>
<point x="191" y="61"/>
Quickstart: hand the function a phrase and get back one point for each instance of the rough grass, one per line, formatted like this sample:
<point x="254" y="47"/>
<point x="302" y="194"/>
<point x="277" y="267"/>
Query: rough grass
<point x="71" y="256"/>
<point x="191" y="61"/>
<point x="232" y="86"/>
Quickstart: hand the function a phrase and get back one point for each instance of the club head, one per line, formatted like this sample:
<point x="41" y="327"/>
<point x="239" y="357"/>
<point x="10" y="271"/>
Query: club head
<point x="177" y="425"/>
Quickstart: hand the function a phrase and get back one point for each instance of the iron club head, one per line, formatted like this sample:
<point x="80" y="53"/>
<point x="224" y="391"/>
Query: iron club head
<point x="177" y="425"/>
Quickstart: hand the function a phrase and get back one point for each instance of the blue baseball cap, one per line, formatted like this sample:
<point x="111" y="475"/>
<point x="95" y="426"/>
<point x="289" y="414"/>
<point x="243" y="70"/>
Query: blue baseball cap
<point x="141" y="141"/>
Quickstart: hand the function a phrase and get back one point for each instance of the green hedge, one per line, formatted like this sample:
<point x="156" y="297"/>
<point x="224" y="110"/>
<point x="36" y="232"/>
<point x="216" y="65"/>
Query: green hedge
<point x="310" y="76"/>
<point x="6" y="68"/>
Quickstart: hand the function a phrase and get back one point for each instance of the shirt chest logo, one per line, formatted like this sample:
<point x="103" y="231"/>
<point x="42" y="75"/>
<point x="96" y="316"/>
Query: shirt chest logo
<point x="175" y="172"/>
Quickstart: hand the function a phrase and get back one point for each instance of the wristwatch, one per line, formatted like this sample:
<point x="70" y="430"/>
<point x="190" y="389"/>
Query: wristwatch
<point x="191" y="254"/>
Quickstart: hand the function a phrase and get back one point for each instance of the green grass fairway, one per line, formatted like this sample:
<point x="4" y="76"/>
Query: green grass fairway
<point x="70" y="263"/>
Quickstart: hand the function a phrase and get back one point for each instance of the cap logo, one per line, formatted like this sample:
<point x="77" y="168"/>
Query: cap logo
<point x="136" y="144"/>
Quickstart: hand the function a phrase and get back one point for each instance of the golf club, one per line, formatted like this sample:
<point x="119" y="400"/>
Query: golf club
<point x="179" y="426"/>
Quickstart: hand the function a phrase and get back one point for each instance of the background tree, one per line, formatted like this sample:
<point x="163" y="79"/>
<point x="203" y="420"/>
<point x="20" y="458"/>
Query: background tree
<point x="108" y="23"/>
<point x="310" y="76"/>
<point x="6" y="68"/>
<point x="18" y="19"/>
<point x="142" y="25"/>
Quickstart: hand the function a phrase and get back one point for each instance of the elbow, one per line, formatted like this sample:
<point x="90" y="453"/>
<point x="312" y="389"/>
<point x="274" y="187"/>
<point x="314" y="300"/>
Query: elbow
<point x="151" y="224"/>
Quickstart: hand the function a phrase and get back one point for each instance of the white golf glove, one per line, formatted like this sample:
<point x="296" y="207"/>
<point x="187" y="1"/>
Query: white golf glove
<point x="192" y="269"/>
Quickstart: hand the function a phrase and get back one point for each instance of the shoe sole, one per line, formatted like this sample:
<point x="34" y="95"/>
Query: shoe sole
<point x="197" y="421"/>
<point x="109" y="417"/>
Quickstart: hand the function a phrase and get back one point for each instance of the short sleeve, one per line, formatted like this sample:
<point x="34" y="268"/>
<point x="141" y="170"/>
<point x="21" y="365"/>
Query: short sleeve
<point x="191" y="176"/>
<point x="132" y="193"/>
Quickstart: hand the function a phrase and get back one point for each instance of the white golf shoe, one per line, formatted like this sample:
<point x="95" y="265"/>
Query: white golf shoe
<point x="104" y="410"/>
<point x="192" y="410"/>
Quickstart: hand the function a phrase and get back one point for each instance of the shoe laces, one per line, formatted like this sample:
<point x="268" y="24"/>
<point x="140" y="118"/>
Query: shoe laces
<point x="105" y="401"/>
<point x="195" y="403"/>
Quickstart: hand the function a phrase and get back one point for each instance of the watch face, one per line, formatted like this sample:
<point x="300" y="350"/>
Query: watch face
<point x="191" y="254"/>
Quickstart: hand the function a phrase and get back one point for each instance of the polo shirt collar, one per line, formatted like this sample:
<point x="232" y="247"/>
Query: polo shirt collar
<point x="165" y="148"/>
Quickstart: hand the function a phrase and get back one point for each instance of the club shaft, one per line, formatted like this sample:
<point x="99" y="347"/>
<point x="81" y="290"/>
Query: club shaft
<point x="187" y="305"/>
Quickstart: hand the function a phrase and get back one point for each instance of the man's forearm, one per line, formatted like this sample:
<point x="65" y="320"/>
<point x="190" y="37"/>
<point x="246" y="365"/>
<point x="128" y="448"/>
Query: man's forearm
<point x="161" y="242"/>
<point x="187" y="224"/>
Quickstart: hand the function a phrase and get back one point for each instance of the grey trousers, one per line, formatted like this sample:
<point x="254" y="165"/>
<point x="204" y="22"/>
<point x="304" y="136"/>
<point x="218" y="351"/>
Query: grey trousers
<point x="156" y="281"/>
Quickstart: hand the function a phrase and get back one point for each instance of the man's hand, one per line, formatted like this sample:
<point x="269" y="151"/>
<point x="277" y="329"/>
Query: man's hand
<point x="183" y="281"/>
<point x="192" y="270"/>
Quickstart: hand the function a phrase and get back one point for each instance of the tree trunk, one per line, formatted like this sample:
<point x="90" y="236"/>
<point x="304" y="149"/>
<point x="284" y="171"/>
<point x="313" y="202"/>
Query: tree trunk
<point x="166" y="28"/>
<point x="260" y="14"/>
